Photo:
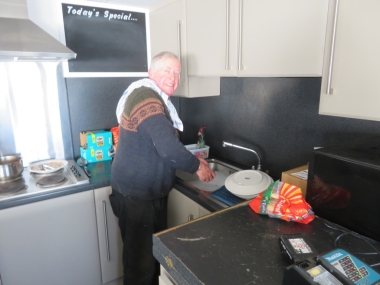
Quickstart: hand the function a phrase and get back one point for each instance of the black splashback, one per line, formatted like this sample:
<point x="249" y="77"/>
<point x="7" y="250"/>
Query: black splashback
<point x="277" y="117"/>
<point x="92" y="104"/>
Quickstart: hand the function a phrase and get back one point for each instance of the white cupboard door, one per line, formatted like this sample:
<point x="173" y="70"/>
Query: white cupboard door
<point x="351" y="65"/>
<point x="110" y="243"/>
<point x="282" y="37"/>
<point x="165" y="278"/>
<point x="212" y="37"/>
<point x="202" y="211"/>
<point x="255" y="38"/>
<point x="181" y="209"/>
<point x="167" y="33"/>
<point x="50" y="242"/>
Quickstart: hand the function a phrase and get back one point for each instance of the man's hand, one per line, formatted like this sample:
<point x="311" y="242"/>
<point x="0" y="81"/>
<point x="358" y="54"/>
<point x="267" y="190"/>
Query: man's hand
<point x="204" y="172"/>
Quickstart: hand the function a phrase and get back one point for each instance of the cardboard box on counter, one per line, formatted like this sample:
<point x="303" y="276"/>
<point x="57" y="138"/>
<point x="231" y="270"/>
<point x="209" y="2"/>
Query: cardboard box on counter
<point x="95" y="154"/>
<point x="297" y="177"/>
<point x="95" y="139"/>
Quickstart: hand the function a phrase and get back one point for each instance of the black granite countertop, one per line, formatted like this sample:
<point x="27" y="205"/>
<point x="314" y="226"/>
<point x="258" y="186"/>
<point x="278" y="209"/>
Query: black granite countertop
<point x="237" y="246"/>
<point x="100" y="177"/>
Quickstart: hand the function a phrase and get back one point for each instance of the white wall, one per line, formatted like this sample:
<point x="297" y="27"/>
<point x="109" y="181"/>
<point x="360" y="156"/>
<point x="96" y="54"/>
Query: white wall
<point x="13" y="9"/>
<point x="46" y="14"/>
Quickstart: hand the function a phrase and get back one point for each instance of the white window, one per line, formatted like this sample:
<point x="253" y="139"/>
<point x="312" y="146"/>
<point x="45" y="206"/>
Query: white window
<point x="30" y="123"/>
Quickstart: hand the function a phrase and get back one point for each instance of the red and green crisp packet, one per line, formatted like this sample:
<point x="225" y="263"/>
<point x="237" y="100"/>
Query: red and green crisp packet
<point x="284" y="201"/>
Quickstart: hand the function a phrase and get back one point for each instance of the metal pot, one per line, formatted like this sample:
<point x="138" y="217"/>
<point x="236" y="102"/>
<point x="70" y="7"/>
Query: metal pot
<point x="10" y="167"/>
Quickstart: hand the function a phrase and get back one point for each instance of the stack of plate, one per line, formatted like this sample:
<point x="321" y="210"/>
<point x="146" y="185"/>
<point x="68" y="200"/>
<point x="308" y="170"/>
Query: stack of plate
<point x="47" y="166"/>
<point x="247" y="184"/>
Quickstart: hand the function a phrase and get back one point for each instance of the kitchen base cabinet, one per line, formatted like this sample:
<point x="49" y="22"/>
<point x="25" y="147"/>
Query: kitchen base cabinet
<point x="165" y="278"/>
<point x="50" y="242"/>
<point x="110" y="243"/>
<point x="182" y="209"/>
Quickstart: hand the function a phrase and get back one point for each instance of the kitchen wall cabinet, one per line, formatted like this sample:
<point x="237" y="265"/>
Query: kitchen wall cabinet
<point x="182" y="209"/>
<point x="110" y="243"/>
<point x="351" y="63"/>
<point x="50" y="242"/>
<point x="168" y="33"/>
<point x="255" y="38"/>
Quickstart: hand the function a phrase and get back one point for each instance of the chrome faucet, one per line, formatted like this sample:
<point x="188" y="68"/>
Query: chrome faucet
<point x="248" y="149"/>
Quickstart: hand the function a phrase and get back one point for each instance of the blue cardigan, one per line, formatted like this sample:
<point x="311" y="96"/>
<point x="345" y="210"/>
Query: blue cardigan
<point x="148" y="151"/>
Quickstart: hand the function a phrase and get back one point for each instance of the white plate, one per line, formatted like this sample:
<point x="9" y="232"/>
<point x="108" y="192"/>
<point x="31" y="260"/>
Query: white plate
<point x="247" y="184"/>
<point x="55" y="164"/>
<point x="247" y="197"/>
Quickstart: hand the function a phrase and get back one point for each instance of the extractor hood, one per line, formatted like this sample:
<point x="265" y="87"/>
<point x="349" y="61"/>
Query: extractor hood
<point x="23" y="40"/>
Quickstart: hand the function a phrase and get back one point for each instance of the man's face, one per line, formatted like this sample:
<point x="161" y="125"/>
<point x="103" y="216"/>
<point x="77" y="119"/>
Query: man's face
<point x="167" y="76"/>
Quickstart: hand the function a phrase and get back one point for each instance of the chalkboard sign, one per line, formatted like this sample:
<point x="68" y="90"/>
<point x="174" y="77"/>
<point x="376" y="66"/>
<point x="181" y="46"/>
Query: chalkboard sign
<point x="105" y="40"/>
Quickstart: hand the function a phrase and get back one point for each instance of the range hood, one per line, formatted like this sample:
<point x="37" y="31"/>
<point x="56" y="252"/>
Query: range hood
<point x="23" y="40"/>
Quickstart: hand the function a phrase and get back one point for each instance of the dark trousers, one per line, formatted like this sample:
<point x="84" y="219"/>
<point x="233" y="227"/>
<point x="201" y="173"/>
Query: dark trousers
<point x="138" y="221"/>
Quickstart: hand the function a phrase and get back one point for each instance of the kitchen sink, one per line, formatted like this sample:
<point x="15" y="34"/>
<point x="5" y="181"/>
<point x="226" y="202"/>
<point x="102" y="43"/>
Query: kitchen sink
<point x="221" y="169"/>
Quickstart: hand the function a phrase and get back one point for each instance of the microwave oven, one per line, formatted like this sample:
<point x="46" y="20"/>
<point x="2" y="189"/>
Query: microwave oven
<point x="344" y="185"/>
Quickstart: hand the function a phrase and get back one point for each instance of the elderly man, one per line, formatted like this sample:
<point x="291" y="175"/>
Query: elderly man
<point x="144" y="167"/>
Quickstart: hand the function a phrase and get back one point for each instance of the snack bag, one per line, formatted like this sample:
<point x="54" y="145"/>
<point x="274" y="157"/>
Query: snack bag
<point x="284" y="201"/>
<point x="115" y="135"/>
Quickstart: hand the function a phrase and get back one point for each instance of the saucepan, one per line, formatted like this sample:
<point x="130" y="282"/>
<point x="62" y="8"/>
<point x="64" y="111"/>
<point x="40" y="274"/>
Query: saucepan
<point x="11" y="167"/>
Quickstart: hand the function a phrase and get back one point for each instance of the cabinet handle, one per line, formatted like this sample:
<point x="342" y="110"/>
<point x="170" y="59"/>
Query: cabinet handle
<point x="106" y="230"/>
<point x="332" y="49"/>
<point x="227" y="57"/>
<point x="179" y="29"/>
<point x="240" y="33"/>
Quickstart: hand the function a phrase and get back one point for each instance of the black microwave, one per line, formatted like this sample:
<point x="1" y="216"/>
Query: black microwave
<point x="344" y="185"/>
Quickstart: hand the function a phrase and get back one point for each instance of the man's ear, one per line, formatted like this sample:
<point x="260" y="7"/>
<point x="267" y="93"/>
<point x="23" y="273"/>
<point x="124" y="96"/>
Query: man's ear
<point x="150" y="73"/>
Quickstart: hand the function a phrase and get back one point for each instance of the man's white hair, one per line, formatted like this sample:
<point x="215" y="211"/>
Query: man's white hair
<point x="157" y="60"/>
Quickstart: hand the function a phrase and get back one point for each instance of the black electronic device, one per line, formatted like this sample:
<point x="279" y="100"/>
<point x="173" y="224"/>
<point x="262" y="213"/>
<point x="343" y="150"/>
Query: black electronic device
<point x="314" y="271"/>
<point x="353" y="268"/>
<point x="297" y="247"/>
<point x="337" y="267"/>
<point x="343" y="185"/>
